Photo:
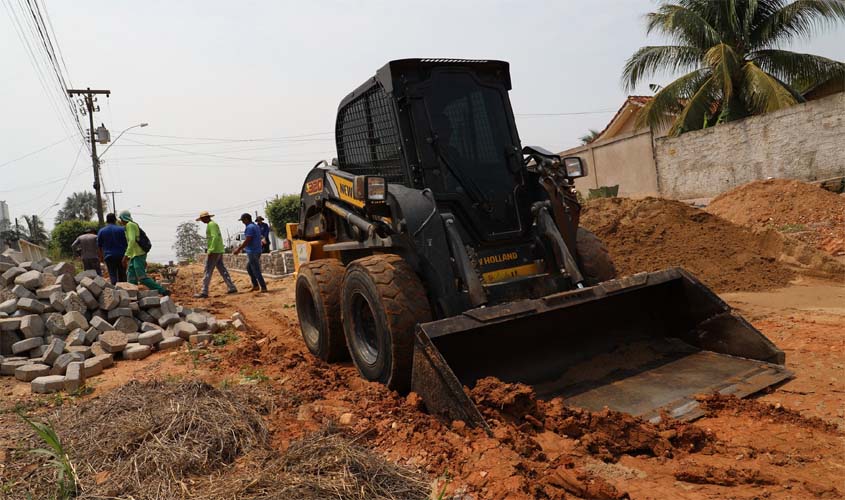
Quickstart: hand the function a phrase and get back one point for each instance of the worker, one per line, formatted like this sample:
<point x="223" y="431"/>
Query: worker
<point x="135" y="257"/>
<point x="111" y="240"/>
<point x="265" y="234"/>
<point x="214" y="259"/>
<point x="252" y="244"/>
<point x="86" y="246"/>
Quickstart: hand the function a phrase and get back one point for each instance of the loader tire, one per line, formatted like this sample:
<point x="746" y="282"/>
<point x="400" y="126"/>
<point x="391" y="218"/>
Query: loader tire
<point x="382" y="302"/>
<point x="596" y="264"/>
<point x="318" y="307"/>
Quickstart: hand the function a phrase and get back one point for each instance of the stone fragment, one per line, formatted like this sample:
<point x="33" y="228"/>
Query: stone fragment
<point x="23" y="292"/>
<point x="45" y="292"/>
<point x="32" y="326"/>
<point x="8" y="277"/>
<point x="31" y="305"/>
<point x="75" y="319"/>
<point x="184" y="329"/>
<point x="56" y="301"/>
<point x="92" y="366"/>
<point x="77" y="337"/>
<point x="8" y="366"/>
<point x="170" y="343"/>
<point x="126" y="324"/>
<point x="109" y="299"/>
<point x="66" y="281"/>
<point x="151" y="337"/>
<point x="88" y="273"/>
<point x="148" y="302"/>
<point x="113" y="341"/>
<point x="198" y="320"/>
<point x="73" y="302"/>
<point x="27" y="345"/>
<point x="54" y="323"/>
<point x="63" y="361"/>
<point x="91" y="335"/>
<point x="213" y="324"/>
<point x="87" y="297"/>
<point x="9" y="306"/>
<point x="10" y="324"/>
<point x="119" y="312"/>
<point x="238" y="325"/>
<point x="100" y="324"/>
<point x="54" y="349"/>
<point x="74" y="376"/>
<point x="170" y="319"/>
<point x="63" y="268"/>
<point x="167" y="305"/>
<point x="106" y="359"/>
<point x="41" y="264"/>
<point x="48" y="384"/>
<point x="238" y="315"/>
<point x="97" y="349"/>
<point x="199" y="338"/>
<point x="31" y="371"/>
<point x="31" y="280"/>
<point x="91" y="285"/>
<point x="137" y="351"/>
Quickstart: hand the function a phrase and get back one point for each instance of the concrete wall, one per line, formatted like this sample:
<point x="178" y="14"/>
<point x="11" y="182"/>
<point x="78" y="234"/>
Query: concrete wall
<point x="275" y="263"/>
<point x="805" y="142"/>
<point x="626" y="160"/>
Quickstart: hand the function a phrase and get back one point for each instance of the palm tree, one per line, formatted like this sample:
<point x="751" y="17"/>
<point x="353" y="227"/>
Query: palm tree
<point x="81" y="206"/>
<point x="589" y="137"/>
<point x="35" y="230"/>
<point x="728" y="50"/>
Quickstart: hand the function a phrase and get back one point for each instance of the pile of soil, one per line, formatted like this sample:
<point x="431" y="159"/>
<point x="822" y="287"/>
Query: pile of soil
<point x="652" y="234"/>
<point x="803" y="211"/>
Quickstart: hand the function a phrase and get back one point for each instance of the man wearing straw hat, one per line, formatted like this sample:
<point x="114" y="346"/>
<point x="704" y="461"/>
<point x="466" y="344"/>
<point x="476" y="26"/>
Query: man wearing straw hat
<point x="215" y="256"/>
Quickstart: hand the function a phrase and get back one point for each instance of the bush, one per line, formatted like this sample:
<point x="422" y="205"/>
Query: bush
<point x="282" y="210"/>
<point x="65" y="232"/>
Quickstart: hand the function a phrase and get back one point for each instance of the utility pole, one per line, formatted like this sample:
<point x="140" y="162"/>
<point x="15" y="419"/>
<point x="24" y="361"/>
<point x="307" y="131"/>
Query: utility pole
<point x="89" y="94"/>
<point x="113" y="204"/>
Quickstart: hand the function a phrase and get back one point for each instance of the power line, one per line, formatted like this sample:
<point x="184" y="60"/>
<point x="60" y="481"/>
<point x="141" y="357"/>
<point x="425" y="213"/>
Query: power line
<point x="571" y="113"/>
<point x="72" y="168"/>
<point x="35" y="152"/>
<point x="263" y="139"/>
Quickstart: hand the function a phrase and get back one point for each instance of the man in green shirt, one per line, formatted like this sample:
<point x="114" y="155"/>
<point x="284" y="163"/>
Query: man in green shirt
<point x="135" y="258"/>
<point x="215" y="256"/>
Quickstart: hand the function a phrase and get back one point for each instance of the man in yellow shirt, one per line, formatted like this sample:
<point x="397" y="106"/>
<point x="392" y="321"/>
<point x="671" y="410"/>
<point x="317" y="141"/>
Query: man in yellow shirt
<point x="215" y="256"/>
<point x="135" y="258"/>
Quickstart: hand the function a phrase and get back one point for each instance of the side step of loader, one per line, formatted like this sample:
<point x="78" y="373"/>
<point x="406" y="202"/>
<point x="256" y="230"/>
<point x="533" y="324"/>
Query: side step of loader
<point x="643" y="345"/>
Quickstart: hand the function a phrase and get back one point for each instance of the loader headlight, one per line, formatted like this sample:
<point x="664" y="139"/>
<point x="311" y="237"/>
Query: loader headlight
<point x="574" y="167"/>
<point x="370" y="188"/>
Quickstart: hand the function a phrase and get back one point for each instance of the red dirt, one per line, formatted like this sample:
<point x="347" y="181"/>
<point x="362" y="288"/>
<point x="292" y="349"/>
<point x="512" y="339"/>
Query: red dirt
<point x="803" y="211"/>
<point x="652" y="234"/>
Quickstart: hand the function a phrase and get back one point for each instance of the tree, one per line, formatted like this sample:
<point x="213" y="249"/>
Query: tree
<point x="65" y="232"/>
<point x="728" y="52"/>
<point x="281" y="210"/>
<point x="80" y="206"/>
<point x="188" y="241"/>
<point x="36" y="233"/>
<point x="590" y="137"/>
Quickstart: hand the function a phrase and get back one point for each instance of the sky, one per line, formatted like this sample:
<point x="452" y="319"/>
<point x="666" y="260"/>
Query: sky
<point x="241" y="97"/>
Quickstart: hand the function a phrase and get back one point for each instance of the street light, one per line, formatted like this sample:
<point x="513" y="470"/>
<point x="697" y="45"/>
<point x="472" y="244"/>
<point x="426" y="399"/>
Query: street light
<point x="142" y="125"/>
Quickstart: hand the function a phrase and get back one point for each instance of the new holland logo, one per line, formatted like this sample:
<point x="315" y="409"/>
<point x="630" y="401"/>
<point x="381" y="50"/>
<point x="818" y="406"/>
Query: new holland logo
<point x="498" y="259"/>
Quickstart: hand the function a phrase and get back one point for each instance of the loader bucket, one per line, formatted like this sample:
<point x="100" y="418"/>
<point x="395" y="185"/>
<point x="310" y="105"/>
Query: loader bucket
<point x="643" y="345"/>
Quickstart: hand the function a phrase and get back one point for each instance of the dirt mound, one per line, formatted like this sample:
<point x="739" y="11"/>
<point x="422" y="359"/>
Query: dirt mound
<point x="691" y="472"/>
<point x="652" y="234"/>
<point x="718" y="403"/>
<point x="804" y="211"/>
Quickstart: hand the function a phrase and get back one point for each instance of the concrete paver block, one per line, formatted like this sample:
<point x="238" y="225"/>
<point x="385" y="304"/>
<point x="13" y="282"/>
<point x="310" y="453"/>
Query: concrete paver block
<point x="113" y="341"/>
<point x="32" y="326"/>
<point x="31" y="371"/>
<point x="27" y="345"/>
<point x="74" y="320"/>
<point x="48" y="384"/>
<point x="170" y="343"/>
<point x="151" y="337"/>
<point x="184" y="329"/>
<point x="31" y="280"/>
<point x="137" y="351"/>
<point x="74" y="376"/>
<point x="31" y="305"/>
<point x="169" y="319"/>
<point x="126" y="324"/>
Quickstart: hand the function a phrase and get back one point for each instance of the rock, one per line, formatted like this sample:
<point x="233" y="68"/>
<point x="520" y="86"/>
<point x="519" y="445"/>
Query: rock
<point x="77" y="337"/>
<point x="75" y="319"/>
<point x="63" y="361"/>
<point x="48" y="384"/>
<point x="170" y="343"/>
<point x="9" y="306"/>
<point x="148" y="302"/>
<point x="56" y="301"/>
<point x="74" y="376"/>
<point x="150" y="337"/>
<point x="37" y="352"/>
<point x="133" y="306"/>
<point x="23" y="292"/>
<point x="91" y="285"/>
<point x="184" y="329"/>
<point x="100" y="324"/>
<point x="41" y="264"/>
<point x="346" y="419"/>
<point x="91" y="335"/>
<point x="132" y="338"/>
<point x="238" y="315"/>
<point x="92" y="366"/>
<point x="45" y="292"/>
<point x="66" y="281"/>
<point x="73" y="302"/>
<point x="88" y="273"/>
<point x="198" y="320"/>
<point x="31" y="371"/>
<point x="31" y="305"/>
<point x="8" y="277"/>
<point x="32" y="326"/>
<point x="167" y="305"/>
<point x="113" y="341"/>
<point x="137" y="351"/>
<point x="238" y="325"/>
<point x="54" y="323"/>
<point x="170" y="319"/>
<point x="109" y="299"/>
<point x="63" y="268"/>
<point x="126" y="324"/>
<point x="10" y="324"/>
<point x="200" y="338"/>
<point x="119" y="312"/>
<point x="148" y="326"/>
<point x="54" y="350"/>
<point x="155" y="312"/>
<point x="213" y="325"/>
<point x="88" y="298"/>
<point x="8" y="366"/>
<point x="125" y="298"/>
<point x="31" y="280"/>
<point x="27" y="345"/>
<point x="143" y="317"/>
<point x="84" y="350"/>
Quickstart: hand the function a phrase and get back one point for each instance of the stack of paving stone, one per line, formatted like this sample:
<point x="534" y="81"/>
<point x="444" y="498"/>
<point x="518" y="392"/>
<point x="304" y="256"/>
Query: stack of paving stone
<point x="59" y="327"/>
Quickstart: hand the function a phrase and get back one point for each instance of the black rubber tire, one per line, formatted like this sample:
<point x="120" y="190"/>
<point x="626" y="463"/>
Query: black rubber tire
<point x="318" y="308"/>
<point x="382" y="302"/>
<point x="596" y="264"/>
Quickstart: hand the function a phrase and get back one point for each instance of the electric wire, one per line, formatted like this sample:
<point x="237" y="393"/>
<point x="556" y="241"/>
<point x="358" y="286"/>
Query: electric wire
<point x="72" y="168"/>
<point x="35" y="152"/>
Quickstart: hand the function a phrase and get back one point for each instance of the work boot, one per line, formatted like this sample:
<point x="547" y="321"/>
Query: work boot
<point x="200" y="296"/>
<point x="232" y="290"/>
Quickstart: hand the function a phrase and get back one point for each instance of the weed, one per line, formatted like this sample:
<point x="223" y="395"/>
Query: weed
<point x="68" y="482"/>
<point x="792" y="228"/>
<point x="253" y="377"/>
<point x="224" y="337"/>
<point x="82" y="390"/>
<point x="288" y="306"/>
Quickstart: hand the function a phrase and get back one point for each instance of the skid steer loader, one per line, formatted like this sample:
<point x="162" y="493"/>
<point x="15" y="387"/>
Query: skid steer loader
<point x="436" y="251"/>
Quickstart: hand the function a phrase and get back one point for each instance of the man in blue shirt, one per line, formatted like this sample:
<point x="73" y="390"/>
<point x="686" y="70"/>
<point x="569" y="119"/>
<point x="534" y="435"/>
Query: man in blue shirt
<point x="265" y="234"/>
<point x="112" y="242"/>
<point x="252" y="244"/>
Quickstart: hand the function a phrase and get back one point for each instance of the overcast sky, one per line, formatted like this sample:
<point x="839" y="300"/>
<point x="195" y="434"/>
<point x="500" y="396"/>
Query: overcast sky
<point x="241" y="96"/>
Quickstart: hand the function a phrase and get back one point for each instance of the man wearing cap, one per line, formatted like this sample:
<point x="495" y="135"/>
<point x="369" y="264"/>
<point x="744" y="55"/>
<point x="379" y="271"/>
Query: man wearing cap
<point x="215" y="256"/>
<point x="135" y="258"/>
<point x="252" y="244"/>
<point x="265" y="234"/>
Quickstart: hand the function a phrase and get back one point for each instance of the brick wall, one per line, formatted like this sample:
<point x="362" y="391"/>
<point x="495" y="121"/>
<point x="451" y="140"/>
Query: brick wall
<point x="805" y="142"/>
<point x="274" y="263"/>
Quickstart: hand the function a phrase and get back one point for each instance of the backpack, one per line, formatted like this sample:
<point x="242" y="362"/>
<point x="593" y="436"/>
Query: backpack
<point x="143" y="241"/>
